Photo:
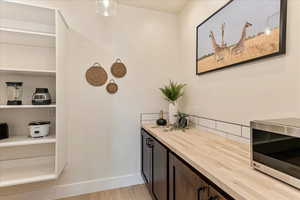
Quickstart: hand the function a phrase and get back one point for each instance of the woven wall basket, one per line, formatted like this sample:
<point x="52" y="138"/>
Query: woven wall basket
<point x="96" y="75"/>
<point x="112" y="87"/>
<point x="118" y="69"/>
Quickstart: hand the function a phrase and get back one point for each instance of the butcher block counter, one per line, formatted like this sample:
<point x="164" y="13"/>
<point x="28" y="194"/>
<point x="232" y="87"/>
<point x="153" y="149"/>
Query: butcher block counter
<point x="225" y="162"/>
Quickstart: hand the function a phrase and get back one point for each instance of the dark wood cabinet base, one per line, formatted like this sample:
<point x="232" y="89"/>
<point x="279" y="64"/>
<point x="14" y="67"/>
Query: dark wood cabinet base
<point x="155" y="166"/>
<point x="184" y="183"/>
<point x="168" y="177"/>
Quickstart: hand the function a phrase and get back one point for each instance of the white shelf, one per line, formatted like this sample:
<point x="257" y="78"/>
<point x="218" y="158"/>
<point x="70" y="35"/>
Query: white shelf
<point x="33" y="177"/>
<point x="27" y="32"/>
<point x="26" y="38"/>
<point x="25" y="140"/>
<point x="28" y="72"/>
<point x="27" y="106"/>
<point x="25" y="171"/>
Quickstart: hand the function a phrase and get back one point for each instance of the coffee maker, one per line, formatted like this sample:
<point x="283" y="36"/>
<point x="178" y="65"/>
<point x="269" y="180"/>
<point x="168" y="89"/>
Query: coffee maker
<point x="41" y="97"/>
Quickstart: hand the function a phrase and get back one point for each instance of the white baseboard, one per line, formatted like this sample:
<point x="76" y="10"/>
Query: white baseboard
<point x="75" y="189"/>
<point x="97" y="185"/>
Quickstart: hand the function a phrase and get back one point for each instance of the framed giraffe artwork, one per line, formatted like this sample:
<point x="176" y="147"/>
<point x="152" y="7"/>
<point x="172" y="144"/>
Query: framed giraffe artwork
<point x="240" y="32"/>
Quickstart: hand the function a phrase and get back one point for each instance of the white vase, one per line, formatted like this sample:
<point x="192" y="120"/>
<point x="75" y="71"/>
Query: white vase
<point x="173" y="110"/>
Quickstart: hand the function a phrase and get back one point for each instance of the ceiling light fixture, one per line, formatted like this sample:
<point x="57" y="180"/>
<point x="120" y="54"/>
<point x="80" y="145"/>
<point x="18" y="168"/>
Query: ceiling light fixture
<point x="106" y="7"/>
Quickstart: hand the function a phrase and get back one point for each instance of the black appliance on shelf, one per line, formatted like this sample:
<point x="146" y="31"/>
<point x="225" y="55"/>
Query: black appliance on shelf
<point x="4" y="132"/>
<point x="41" y="97"/>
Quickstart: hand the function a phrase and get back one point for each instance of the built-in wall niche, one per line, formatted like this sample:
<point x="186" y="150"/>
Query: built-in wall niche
<point x="27" y="18"/>
<point x="27" y="151"/>
<point x="30" y="83"/>
<point x="28" y="170"/>
<point x="26" y="163"/>
<point x="18" y="119"/>
<point x="26" y="51"/>
<point x="33" y="45"/>
<point x="27" y="38"/>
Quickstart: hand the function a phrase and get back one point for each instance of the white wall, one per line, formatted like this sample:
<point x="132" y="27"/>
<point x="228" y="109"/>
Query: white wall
<point x="260" y="90"/>
<point x="104" y="129"/>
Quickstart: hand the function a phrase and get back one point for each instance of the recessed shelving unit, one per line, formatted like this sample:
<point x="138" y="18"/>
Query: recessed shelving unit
<point x="33" y="43"/>
<point x="25" y="140"/>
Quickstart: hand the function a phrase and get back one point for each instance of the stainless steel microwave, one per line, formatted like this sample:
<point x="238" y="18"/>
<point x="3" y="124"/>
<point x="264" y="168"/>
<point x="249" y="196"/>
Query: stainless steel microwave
<point x="275" y="149"/>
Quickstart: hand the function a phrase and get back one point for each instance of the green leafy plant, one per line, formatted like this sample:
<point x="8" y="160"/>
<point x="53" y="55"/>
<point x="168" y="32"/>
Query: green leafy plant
<point x="182" y="122"/>
<point x="173" y="91"/>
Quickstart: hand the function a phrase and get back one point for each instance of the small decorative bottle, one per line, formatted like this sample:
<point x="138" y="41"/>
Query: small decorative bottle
<point x="161" y="121"/>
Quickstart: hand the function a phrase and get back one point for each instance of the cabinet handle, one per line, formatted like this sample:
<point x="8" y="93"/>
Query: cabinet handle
<point x="213" y="198"/>
<point x="151" y="143"/>
<point x="199" y="192"/>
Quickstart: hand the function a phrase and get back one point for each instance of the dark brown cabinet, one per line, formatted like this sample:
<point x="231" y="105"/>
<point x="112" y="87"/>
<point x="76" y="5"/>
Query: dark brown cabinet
<point x="184" y="184"/>
<point x="168" y="177"/>
<point x="146" y="160"/>
<point x="160" y="171"/>
<point x="155" y="166"/>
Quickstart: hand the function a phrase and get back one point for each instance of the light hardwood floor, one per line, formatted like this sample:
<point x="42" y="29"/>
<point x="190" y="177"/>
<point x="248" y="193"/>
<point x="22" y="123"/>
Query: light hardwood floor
<point x="138" y="192"/>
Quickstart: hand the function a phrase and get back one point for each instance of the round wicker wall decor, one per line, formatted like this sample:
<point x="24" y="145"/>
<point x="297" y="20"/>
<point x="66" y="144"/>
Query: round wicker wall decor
<point x="96" y="75"/>
<point x="112" y="87"/>
<point x="118" y="69"/>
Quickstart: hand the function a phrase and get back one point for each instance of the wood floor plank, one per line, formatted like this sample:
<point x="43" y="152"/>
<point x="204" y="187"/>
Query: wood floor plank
<point x="137" y="192"/>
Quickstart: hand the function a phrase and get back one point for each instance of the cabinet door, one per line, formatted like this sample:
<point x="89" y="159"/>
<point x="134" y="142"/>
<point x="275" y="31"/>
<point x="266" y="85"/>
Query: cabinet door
<point x="184" y="184"/>
<point x="160" y="170"/>
<point x="215" y="195"/>
<point x="146" y="160"/>
<point x="61" y="96"/>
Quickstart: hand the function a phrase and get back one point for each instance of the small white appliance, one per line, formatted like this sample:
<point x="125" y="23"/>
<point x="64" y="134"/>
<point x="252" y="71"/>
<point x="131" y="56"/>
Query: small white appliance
<point x="39" y="129"/>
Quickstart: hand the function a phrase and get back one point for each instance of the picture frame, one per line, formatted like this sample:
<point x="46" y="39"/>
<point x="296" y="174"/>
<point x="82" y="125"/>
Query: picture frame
<point x="214" y="53"/>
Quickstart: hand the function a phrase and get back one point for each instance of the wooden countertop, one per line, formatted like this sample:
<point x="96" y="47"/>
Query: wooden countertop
<point x="224" y="162"/>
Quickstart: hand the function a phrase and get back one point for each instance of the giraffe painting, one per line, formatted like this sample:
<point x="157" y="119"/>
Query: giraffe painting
<point x="240" y="32"/>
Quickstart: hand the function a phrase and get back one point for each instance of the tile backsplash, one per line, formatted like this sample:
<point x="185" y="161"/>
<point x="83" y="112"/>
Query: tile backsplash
<point x="234" y="131"/>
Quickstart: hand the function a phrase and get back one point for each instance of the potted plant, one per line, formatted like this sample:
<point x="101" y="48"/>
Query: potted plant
<point x="182" y="122"/>
<point x="172" y="93"/>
